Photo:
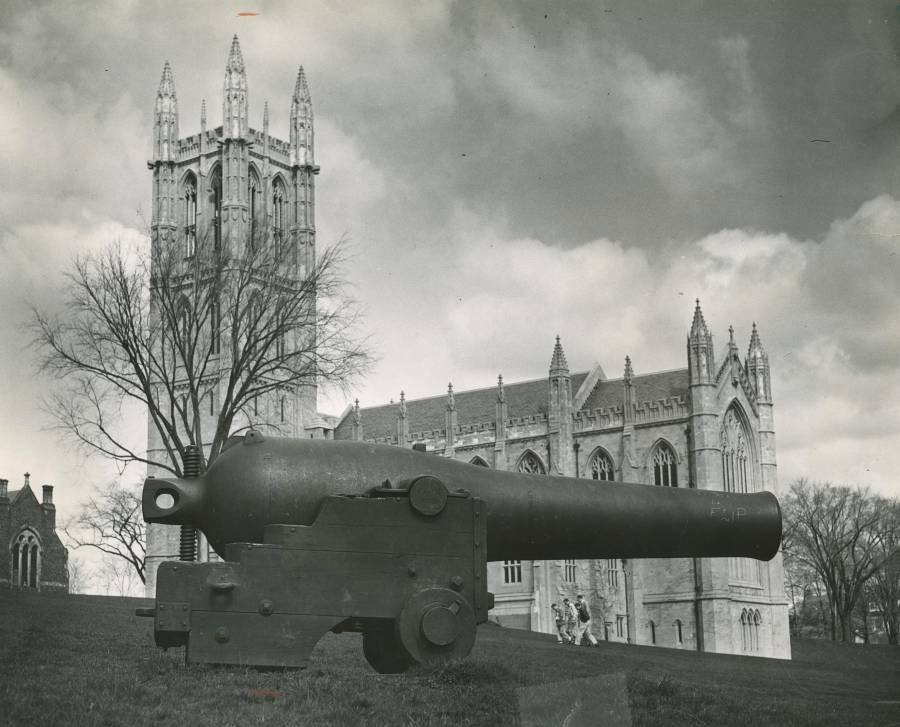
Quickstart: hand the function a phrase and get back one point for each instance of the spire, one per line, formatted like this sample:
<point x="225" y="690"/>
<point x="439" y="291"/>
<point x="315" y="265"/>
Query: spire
<point x="558" y="364"/>
<point x="701" y="358"/>
<point x="402" y="422"/>
<point x="234" y="104"/>
<point x="165" y="120"/>
<point x="302" y="151"/>
<point x="501" y="392"/>
<point x="451" y="400"/>
<point x="698" y="326"/>
<point x="628" y="393"/>
<point x="757" y="365"/>
<point x="266" y="118"/>
<point x="203" y="116"/>
<point x="356" y="415"/>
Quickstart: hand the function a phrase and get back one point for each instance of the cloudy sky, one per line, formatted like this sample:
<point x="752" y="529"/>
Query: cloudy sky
<point x="508" y="171"/>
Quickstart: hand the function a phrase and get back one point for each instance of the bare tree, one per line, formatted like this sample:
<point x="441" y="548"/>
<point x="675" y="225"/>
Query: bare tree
<point x="195" y="340"/>
<point x="830" y="530"/>
<point x="883" y="588"/>
<point x="111" y="522"/>
<point x="115" y="578"/>
<point x="79" y="576"/>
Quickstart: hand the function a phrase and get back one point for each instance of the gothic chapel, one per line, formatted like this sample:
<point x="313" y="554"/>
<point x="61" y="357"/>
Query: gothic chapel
<point x="708" y="426"/>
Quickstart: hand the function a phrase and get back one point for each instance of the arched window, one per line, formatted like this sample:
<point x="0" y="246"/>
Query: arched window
<point x="652" y="632"/>
<point x="254" y="197"/>
<point x="189" y="214"/>
<point x="679" y="634"/>
<point x="183" y="321"/>
<point x="214" y="204"/>
<point x="215" y="327"/>
<point x="531" y="464"/>
<point x="569" y="568"/>
<point x="512" y="571"/>
<point x="665" y="466"/>
<point x="757" y="620"/>
<point x="279" y="216"/>
<point x="737" y="470"/>
<point x="745" y="630"/>
<point x="601" y="467"/>
<point x="478" y="462"/>
<point x="26" y="560"/>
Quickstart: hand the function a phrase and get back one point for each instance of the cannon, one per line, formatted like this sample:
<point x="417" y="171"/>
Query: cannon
<point x="320" y="536"/>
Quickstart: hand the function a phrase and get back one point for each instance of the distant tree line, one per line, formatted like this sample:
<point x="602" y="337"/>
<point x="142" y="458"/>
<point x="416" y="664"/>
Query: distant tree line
<point x="842" y="562"/>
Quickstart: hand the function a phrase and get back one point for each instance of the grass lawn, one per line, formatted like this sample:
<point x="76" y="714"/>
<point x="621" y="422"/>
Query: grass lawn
<point x="87" y="660"/>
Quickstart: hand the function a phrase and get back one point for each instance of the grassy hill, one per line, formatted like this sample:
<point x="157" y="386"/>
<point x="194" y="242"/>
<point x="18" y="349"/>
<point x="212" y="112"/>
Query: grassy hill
<point x="86" y="660"/>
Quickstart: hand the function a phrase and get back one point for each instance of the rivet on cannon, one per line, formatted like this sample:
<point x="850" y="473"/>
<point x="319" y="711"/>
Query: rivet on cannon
<point x="411" y="571"/>
<point x="456" y="583"/>
<point x="266" y="608"/>
<point x="222" y="635"/>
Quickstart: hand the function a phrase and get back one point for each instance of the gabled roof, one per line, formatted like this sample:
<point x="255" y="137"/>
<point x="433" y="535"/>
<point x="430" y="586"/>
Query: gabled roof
<point x="647" y="387"/>
<point x="523" y="399"/>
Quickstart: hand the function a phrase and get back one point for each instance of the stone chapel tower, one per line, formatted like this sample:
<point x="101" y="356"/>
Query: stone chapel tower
<point x="220" y="190"/>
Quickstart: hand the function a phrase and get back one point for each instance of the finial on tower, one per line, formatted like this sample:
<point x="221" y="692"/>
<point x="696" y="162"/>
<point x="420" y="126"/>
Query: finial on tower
<point x="558" y="362"/>
<point x="698" y="325"/>
<point x="629" y="372"/>
<point x="203" y="115"/>
<point x="234" y="103"/>
<point x="165" y="119"/>
<point x="266" y="117"/>
<point x="501" y="392"/>
<point x="302" y="138"/>
<point x="451" y="400"/>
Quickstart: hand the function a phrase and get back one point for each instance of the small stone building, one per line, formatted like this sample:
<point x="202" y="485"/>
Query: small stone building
<point x="31" y="554"/>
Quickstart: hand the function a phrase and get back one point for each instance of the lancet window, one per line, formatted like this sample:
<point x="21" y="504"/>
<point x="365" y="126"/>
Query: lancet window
<point x="254" y="195"/>
<point x="569" y="568"/>
<point x="736" y="462"/>
<point x="26" y="559"/>
<point x="189" y="215"/>
<point x="279" y="216"/>
<point x="665" y="466"/>
<point x="679" y="632"/>
<point x="601" y="467"/>
<point x="531" y="464"/>
<point x="215" y="206"/>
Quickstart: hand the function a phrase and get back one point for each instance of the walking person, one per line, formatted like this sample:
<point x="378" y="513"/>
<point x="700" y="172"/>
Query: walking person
<point x="560" y="619"/>
<point x="571" y="619"/>
<point x="583" y="626"/>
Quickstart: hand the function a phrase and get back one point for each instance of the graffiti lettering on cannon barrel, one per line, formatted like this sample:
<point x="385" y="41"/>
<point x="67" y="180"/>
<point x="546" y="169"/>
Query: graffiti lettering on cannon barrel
<point x="719" y="511"/>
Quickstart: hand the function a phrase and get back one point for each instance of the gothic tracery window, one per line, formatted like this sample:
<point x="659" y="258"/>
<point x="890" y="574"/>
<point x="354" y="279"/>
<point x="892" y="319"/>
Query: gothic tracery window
<point x="665" y="466"/>
<point x="26" y="557"/>
<point x="215" y="206"/>
<point x="736" y="463"/>
<point x="189" y="215"/>
<point x="279" y="216"/>
<point x="531" y="464"/>
<point x="253" y="202"/>
<point x="601" y="467"/>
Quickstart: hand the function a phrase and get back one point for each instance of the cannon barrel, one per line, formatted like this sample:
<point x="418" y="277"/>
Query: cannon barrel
<point x="261" y="481"/>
